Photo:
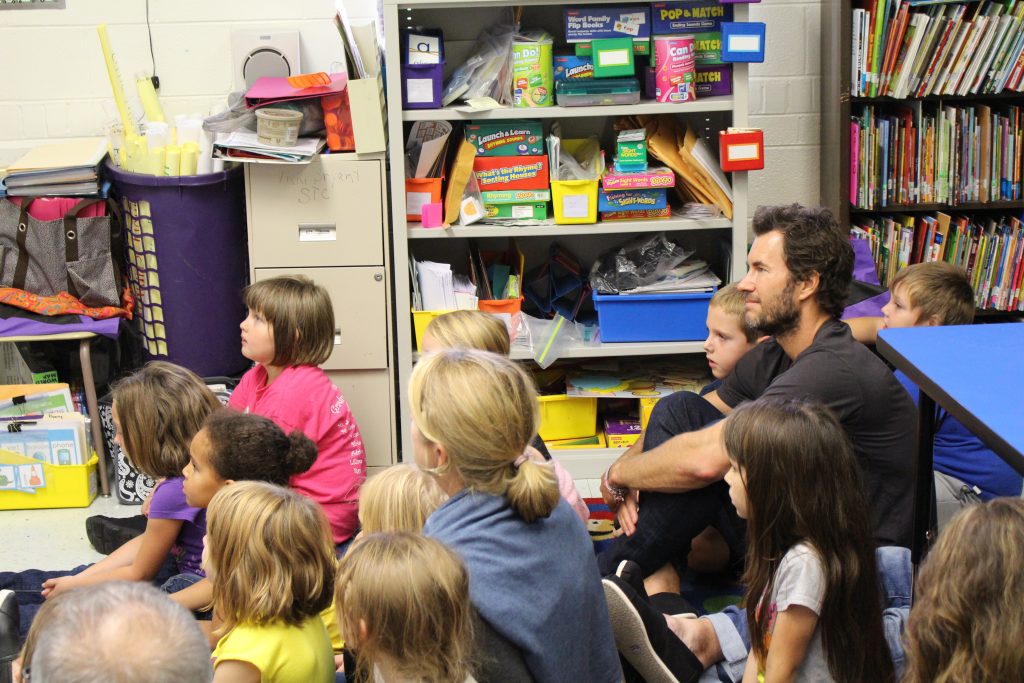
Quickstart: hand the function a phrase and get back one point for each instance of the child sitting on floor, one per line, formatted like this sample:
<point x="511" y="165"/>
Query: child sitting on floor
<point x="156" y="412"/>
<point x="288" y="333"/>
<point x="398" y="499"/>
<point x="966" y="471"/>
<point x="404" y="603"/>
<point x="964" y="626"/>
<point x="485" y="332"/>
<point x="270" y="557"/>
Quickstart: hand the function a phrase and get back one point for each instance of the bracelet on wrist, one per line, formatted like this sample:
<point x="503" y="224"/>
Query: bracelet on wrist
<point x="619" y="493"/>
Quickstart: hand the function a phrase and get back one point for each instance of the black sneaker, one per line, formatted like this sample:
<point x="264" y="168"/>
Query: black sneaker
<point x="107" y="534"/>
<point x="643" y="637"/>
<point x="630" y="572"/>
<point x="10" y="622"/>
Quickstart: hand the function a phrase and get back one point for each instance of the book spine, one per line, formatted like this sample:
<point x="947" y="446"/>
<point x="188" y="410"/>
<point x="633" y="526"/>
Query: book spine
<point x="854" y="161"/>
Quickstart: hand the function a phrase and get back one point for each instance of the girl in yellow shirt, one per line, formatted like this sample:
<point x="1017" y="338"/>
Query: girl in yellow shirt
<point x="270" y="556"/>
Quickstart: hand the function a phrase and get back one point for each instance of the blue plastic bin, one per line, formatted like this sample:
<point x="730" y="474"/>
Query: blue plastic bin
<point x="652" y="317"/>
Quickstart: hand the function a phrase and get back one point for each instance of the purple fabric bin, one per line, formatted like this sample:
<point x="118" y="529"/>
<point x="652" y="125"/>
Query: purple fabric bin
<point x="187" y="264"/>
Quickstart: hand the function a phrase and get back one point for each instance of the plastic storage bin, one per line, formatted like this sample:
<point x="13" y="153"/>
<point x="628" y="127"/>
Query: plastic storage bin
<point x="652" y="317"/>
<point x="420" y="191"/>
<point x="565" y="417"/>
<point x="65" y="486"/>
<point x="586" y="443"/>
<point x="574" y="201"/>
<point x="420" y="320"/>
<point x="596" y="92"/>
<point x="187" y="265"/>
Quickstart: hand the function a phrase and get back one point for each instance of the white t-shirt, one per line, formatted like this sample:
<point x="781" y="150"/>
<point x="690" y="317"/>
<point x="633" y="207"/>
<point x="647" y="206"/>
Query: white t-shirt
<point x="800" y="580"/>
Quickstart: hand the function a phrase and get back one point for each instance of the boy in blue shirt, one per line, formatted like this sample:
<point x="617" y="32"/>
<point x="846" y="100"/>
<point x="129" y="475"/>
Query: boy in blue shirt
<point x="938" y="293"/>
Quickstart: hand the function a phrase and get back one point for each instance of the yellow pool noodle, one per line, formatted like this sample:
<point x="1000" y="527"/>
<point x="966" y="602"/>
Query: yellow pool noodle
<point x="115" y="82"/>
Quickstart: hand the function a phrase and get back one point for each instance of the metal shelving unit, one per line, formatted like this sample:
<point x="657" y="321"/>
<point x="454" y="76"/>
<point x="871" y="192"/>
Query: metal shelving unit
<point x="586" y="241"/>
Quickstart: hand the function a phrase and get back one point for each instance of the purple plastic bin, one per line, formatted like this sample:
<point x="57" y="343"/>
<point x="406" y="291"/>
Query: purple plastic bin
<point x="420" y="81"/>
<point x="186" y="253"/>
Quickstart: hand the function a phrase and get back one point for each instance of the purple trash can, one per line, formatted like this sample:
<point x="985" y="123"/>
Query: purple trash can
<point x="187" y="263"/>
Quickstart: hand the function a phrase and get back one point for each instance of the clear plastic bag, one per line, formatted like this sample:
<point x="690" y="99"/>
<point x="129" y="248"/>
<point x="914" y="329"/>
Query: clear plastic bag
<point x="488" y="71"/>
<point x="635" y="264"/>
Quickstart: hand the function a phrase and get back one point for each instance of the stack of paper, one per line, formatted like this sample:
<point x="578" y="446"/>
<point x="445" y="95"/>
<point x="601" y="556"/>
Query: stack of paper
<point x="437" y="288"/>
<point x="425" y="149"/>
<point x="244" y="145"/>
<point x="60" y="169"/>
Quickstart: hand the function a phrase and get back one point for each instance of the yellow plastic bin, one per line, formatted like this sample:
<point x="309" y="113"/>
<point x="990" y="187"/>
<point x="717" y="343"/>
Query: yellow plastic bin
<point x="646" y="408"/>
<point x="420" y="320"/>
<point x="61" y="486"/>
<point x="567" y="417"/>
<point x="575" y="201"/>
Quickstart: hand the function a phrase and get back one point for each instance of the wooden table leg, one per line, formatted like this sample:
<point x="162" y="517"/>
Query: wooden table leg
<point x="85" y="357"/>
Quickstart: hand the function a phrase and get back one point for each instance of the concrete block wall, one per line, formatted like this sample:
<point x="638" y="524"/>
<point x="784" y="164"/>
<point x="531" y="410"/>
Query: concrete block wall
<point x="61" y="89"/>
<point x="785" y="102"/>
<point x="57" y="86"/>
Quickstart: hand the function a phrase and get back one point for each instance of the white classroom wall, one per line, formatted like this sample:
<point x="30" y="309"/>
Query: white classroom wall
<point x="56" y="83"/>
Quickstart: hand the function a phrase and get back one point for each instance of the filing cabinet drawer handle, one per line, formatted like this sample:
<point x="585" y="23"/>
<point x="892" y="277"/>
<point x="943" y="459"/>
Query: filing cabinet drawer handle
<point x="318" y="232"/>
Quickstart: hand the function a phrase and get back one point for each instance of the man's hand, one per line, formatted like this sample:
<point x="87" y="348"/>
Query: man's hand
<point x="628" y="513"/>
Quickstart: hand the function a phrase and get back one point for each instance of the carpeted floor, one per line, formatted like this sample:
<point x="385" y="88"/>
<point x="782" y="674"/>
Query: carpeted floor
<point x="708" y="593"/>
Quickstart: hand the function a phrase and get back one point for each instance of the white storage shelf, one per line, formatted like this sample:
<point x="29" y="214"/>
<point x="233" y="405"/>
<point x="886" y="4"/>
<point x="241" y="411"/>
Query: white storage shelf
<point x="460" y="31"/>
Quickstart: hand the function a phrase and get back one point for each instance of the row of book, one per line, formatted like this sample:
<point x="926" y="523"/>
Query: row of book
<point x="989" y="248"/>
<point x="930" y="153"/>
<point x="900" y="49"/>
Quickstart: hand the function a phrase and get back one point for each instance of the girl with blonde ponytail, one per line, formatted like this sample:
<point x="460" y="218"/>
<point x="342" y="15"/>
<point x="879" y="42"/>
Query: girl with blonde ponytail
<point x="532" y="571"/>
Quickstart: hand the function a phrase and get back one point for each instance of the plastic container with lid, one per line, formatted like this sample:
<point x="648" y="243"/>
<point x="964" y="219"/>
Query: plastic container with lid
<point x="597" y="92"/>
<point x="278" y="127"/>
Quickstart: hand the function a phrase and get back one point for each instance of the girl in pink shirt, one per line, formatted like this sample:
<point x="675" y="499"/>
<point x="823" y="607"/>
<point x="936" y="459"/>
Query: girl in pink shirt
<point x="288" y="333"/>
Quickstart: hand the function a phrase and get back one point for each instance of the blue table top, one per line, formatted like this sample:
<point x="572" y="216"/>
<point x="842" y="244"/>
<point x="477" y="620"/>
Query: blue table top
<point x="976" y="372"/>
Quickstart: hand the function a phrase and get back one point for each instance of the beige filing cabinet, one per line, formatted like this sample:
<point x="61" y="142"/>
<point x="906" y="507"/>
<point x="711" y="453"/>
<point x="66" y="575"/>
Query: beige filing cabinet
<point x="328" y="220"/>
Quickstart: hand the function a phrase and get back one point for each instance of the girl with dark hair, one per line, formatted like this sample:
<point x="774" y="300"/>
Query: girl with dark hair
<point x="812" y="601"/>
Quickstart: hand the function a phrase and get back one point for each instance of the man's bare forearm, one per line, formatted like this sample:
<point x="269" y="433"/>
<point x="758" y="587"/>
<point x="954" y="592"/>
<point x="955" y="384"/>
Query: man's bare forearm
<point x="685" y="462"/>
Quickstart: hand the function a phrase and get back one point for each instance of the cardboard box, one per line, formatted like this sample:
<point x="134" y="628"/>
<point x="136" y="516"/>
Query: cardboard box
<point x="653" y="177"/>
<point x="515" y="196"/>
<point x="713" y="81"/>
<point x="572" y="67"/>
<point x="532" y="211"/>
<point x="506" y="138"/>
<point x="583" y="24"/>
<point x="622" y="432"/>
<point x="511" y="173"/>
<point x="708" y="48"/>
<point x="632" y="200"/>
<point x="641" y="215"/>
<point x="695" y="16"/>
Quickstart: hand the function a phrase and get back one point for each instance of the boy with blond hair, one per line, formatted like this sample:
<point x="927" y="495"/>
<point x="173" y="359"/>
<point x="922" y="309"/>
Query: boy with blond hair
<point x="966" y="471"/>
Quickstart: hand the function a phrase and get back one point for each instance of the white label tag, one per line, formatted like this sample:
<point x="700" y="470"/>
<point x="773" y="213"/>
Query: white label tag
<point x="419" y="89"/>
<point x="613" y="57"/>
<point x="744" y="43"/>
<point x="575" y="206"/>
<point x="414" y="202"/>
<point x="741" y="152"/>
<point x="317" y="233"/>
<point x="525" y="211"/>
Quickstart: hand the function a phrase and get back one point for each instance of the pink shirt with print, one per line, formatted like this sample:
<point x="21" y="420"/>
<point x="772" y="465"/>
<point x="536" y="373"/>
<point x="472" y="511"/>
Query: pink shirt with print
<point x="304" y="398"/>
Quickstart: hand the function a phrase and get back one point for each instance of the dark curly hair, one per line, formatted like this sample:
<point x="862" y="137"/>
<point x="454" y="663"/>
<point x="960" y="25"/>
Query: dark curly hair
<point x="813" y="243"/>
<point x="248" y="446"/>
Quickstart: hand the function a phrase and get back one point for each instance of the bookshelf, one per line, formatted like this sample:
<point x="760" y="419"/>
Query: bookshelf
<point x="461" y="21"/>
<point x="923" y="138"/>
